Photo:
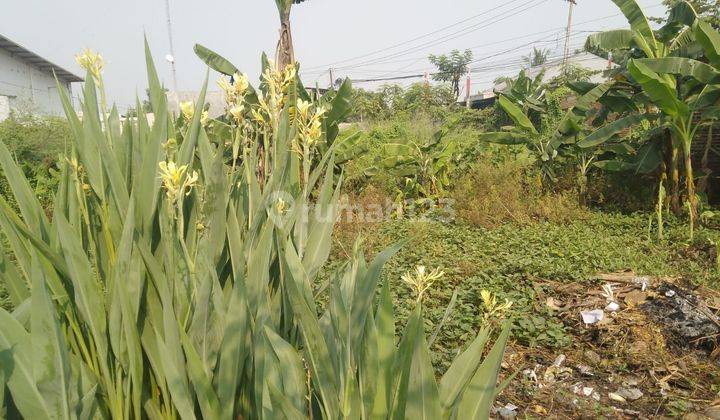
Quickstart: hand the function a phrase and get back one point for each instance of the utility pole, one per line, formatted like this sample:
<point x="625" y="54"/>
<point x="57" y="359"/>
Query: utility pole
<point x="171" y="57"/>
<point x="332" y="78"/>
<point x="566" y="52"/>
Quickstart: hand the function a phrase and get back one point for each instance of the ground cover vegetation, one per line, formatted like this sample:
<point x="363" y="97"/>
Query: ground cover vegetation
<point x="216" y="268"/>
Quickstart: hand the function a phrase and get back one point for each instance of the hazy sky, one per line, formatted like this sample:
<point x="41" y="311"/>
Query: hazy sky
<point x="343" y="34"/>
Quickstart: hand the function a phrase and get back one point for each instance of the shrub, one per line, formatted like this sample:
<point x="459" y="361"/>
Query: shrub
<point x="36" y="142"/>
<point x="490" y="195"/>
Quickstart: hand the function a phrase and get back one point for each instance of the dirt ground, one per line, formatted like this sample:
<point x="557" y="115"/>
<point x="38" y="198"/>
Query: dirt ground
<point x="656" y="356"/>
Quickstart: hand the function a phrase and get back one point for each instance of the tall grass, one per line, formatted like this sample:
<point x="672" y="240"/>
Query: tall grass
<point x="176" y="277"/>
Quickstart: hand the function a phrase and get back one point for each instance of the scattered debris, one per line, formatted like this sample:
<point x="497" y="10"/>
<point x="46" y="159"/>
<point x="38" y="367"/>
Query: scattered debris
<point x="630" y="394"/>
<point x="612" y="307"/>
<point x="592" y="317"/>
<point x="688" y="320"/>
<point x="615" y="397"/>
<point x="585" y="370"/>
<point x="553" y="304"/>
<point x="635" y="298"/>
<point x="650" y="357"/>
<point x="508" y="412"/>
<point x="556" y="371"/>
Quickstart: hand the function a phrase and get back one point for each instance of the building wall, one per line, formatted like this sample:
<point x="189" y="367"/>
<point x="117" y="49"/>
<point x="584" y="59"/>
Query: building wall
<point x="27" y="87"/>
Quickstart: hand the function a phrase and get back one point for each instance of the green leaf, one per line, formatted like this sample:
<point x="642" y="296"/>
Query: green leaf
<point x="207" y="399"/>
<point x="158" y="101"/>
<point x="423" y="397"/>
<point x="609" y="130"/>
<point x="477" y="399"/>
<point x="88" y="296"/>
<point x="686" y="67"/>
<point x="504" y="137"/>
<point x="215" y="61"/>
<point x="385" y="353"/>
<point x="317" y="354"/>
<point x="51" y="368"/>
<point x="618" y="39"/>
<point x="709" y="38"/>
<point x="517" y="115"/>
<point x="16" y="363"/>
<point x="637" y="20"/>
<point x="15" y="284"/>
<point x="658" y="89"/>
<point x="293" y="378"/>
<point x="462" y="369"/>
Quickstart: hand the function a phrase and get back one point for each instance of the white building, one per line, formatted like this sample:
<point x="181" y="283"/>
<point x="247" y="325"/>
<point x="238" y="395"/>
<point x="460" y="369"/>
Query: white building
<point x="552" y="69"/>
<point x="27" y="81"/>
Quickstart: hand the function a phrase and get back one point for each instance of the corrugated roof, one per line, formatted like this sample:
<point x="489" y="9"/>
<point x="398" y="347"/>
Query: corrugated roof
<point x="37" y="61"/>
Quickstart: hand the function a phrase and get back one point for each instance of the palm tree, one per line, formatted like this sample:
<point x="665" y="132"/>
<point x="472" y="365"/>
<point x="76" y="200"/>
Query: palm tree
<point x="285" y="54"/>
<point x="538" y="57"/>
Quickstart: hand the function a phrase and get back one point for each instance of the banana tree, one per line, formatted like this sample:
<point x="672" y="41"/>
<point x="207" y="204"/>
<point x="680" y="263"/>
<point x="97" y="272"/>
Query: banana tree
<point x="675" y="38"/>
<point x="285" y="53"/>
<point x="528" y="92"/>
<point x="545" y="143"/>
<point x="683" y="98"/>
<point x="423" y="167"/>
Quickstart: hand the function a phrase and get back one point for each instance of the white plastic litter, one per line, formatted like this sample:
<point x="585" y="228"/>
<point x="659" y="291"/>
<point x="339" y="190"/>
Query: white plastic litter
<point x="592" y="317"/>
<point x="615" y="397"/>
<point x="612" y="307"/>
<point x="670" y="293"/>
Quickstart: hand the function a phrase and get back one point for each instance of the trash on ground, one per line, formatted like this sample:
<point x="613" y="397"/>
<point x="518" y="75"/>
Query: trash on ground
<point x="612" y="307"/>
<point x="615" y="397"/>
<point x="592" y="317"/>
<point x="630" y="394"/>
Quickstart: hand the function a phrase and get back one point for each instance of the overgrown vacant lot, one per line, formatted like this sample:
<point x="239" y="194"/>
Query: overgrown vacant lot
<point x="528" y="264"/>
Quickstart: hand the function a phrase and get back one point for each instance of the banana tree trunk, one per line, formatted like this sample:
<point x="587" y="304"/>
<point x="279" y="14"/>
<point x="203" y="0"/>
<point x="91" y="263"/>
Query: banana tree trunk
<point x="690" y="181"/>
<point x="675" y="180"/>
<point x="705" y="164"/>
<point x="285" y="53"/>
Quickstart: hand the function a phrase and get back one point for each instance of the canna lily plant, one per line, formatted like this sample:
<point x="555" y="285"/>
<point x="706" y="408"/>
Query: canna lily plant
<point x="177" y="276"/>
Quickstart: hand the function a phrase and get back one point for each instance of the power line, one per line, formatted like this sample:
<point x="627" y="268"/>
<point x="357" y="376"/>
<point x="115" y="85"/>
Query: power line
<point x="551" y="60"/>
<point x="418" y="37"/>
<point x="380" y="61"/>
<point x="454" y="35"/>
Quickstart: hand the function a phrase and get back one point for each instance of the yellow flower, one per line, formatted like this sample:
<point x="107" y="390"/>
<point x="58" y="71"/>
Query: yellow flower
<point x="320" y="111"/>
<point x="188" y="110"/>
<point x="237" y="112"/>
<point x="172" y="179"/>
<point x="314" y="131"/>
<point x="492" y="307"/>
<point x="241" y="83"/>
<point x="289" y="73"/>
<point x="204" y="117"/>
<point x="258" y="116"/>
<point x="421" y="280"/>
<point x="303" y="107"/>
<point x="190" y="181"/>
<point x="229" y="90"/>
<point x="90" y="61"/>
